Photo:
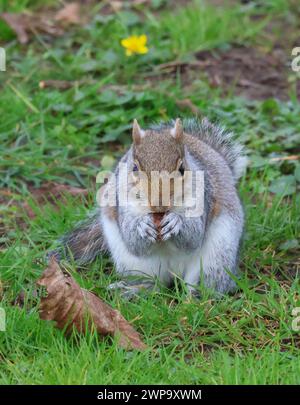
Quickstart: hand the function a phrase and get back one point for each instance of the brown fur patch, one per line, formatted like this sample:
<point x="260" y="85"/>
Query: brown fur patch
<point x="216" y="209"/>
<point x="111" y="213"/>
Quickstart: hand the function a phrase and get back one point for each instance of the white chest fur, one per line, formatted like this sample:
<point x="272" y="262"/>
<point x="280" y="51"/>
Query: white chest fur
<point x="164" y="261"/>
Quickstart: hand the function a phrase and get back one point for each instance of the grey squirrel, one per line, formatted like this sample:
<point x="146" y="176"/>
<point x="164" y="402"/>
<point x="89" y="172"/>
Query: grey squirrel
<point x="161" y="241"/>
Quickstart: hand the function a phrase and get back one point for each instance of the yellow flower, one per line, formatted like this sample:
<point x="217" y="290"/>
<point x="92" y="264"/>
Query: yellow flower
<point x="135" y="44"/>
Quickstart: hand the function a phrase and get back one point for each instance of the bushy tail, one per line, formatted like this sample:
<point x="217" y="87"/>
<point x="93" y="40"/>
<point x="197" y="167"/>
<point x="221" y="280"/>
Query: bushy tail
<point x="221" y="141"/>
<point x="84" y="243"/>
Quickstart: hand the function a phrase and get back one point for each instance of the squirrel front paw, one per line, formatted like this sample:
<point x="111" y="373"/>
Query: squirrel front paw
<point x="170" y="225"/>
<point x="146" y="228"/>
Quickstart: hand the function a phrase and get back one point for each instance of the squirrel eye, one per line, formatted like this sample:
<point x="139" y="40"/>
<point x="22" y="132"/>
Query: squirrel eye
<point x="181" y="169"/>
<point x="135" y="168"/>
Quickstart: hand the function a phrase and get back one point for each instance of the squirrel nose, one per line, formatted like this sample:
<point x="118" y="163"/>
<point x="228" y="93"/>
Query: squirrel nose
<point x="159" y="209"/>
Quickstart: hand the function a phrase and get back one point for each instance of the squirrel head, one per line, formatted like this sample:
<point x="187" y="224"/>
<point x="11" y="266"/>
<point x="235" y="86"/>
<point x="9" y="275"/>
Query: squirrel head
<point x="158" y="151"/>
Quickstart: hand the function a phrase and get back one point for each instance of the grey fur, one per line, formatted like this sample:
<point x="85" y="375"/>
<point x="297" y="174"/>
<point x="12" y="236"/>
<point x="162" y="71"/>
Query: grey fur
<point x="208" y="148"/>
<point x="137" y="232"/>
<point x="215" y="136"/>
<point x="84" y="243"/>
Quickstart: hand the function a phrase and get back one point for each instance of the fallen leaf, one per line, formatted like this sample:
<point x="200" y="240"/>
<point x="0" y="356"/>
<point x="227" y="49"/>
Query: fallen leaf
<point x="24" y="25"/>
<point x="187" y="104"/>
<point x="73" y="307"/>
<point x="18" y="24"/>
<point x="69" y="14"/>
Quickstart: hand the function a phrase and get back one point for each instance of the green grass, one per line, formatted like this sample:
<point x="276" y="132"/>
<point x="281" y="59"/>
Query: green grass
<point x="62" y="136"/>
<point x="205" y="27"/>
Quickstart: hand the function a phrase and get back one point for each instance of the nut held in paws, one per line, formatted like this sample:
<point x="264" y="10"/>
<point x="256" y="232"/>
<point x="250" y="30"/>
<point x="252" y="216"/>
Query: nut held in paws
<point x="157" y="218"/>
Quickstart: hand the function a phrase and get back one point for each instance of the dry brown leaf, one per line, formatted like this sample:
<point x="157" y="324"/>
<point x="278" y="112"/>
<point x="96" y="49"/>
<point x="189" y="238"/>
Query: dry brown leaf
<point x="69" y="14"/>
<point x="24" y="25"/>
<point x="71" y="306"/>
<point x="18" y="25"/>
<point x="187" y="104"/>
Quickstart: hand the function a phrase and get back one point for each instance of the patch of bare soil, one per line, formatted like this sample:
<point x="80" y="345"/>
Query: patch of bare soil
<point x="245" y="71"/>
<point x="253" y="74"/>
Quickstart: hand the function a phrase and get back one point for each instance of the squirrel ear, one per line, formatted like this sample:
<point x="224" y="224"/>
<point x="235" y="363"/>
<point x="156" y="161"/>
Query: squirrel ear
<point x="137" y="132"/>
<point x="177" y="131"/>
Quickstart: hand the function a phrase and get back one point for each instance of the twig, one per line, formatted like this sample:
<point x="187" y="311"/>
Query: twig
<point x="56" y="84"/>
<point x="282" y="158"/>
<point x="178" y="63"/>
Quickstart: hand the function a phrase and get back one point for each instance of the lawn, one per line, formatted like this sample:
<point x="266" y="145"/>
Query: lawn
<point x="68" y="99"/>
